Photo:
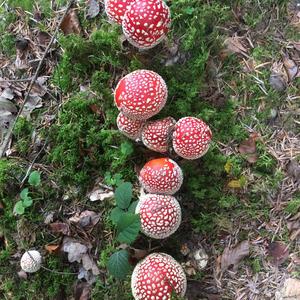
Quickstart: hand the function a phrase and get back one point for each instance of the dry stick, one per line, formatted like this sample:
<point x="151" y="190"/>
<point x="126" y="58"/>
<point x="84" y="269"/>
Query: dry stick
<point x="11" y="127"/>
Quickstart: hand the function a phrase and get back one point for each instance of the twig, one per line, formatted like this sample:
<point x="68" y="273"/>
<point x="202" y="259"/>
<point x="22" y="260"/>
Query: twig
<point x="11" y="128"/>
<point x="17" y="80"/>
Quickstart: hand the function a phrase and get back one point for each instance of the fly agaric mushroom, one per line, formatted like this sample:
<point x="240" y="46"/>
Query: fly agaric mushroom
<point x="156" y="134"/>
<point x="191" y="138"/>
<point x="160" y="215"/>
<point x="131" y="128"/>
<point x="31" y="261"/>
<point x="115" y="9"/>
<point x="161" y="176"/>
<point x="157" y="277"/>
<point x="146" y="22"/>
<point x="141" y="94"/>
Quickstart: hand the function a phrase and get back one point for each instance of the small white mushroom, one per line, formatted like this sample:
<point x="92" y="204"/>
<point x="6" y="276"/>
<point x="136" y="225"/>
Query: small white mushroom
<point x="31" y="261"/>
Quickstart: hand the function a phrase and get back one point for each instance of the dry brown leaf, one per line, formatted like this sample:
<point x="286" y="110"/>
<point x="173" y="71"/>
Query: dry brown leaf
<point x="86" y="218"/>
<point x="291" y="290"/>
<point x="231" y="257"/>
<point x="93" y="9"/>
<point x="22" y="275"/>
<point x="70" y="23"/>
<point x="248" y="147"/>
<point x="293" y="169"/>
<point x="234" y="44"/>
<point x="60" y="228"/>
<point x="82" y="291"/>
<point x="279" y="252"/>
<point x="52" y="248"/>
<point x="291" y="67"/>
<point x="89" y="264"/>
<point x="278" y="78"/>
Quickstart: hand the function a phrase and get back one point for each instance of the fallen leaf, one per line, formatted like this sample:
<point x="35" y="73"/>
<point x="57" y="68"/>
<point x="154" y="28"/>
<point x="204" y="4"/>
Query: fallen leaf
<point x="234" y="184"/>
<point x="31" y="104"/>
<point x="278" y="78"/>
<point x="89" y="264"/>
<point x="60" y="228"/>
<point x="82" y="291"/>
<point x="52" y="248"/>
<point x="290" y="67"/>
<point x="290" y="290"/>
<point x="231" y="257"/>
<point x="93" y="9"/>
<point x="234" y="44"/>
<point x="43" y="38"/>
<point x="22" y="275"/>
<point x="70" y="23"/>
<point x="86" y="218"/>
<point x="100" y="194"/>
<point x="279" y="252"/>
<point x="196" y="290"/>
<point x="7" y="94"/>
<point x="293" y="169"/>
<point x="248" y="147"/>
<point x="74" y="249"/>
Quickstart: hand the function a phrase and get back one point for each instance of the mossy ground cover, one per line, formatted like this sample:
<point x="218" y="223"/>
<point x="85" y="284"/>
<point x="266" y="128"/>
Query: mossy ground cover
<point x="224" y="196"/>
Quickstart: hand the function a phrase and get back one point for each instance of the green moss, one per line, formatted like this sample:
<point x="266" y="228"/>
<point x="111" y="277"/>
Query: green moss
<point x="293" y="205"/>
<point x="22" y="132"/>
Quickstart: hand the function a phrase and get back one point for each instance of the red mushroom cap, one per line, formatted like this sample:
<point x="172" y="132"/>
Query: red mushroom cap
<point x="141" y="94"/>
<point x="157" y="277"/>
<point x="146" y="23"/>
<point x="191" y="138"/>
<point x="160" y="215"/>
<point x="115" y="9"/>
<point x="156" y="134"/>
<point x="161" y="176"/>
<point x="131" y="128"/>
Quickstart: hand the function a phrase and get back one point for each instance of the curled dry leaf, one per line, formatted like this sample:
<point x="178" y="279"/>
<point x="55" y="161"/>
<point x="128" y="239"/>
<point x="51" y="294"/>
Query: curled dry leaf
<point x="70" y="23"/>
<point x="290" y="290"/>
<point x="248" y="147"/>
<point x="236" y="44"/>
<point x="100" y="194"/>
<point x="86" y="218"/>
<point x="59" y="227"/>
<point x="89" y="264"/>
<point x="82" y="291"/>
<point x="290" y="67"/>
<point x="279" y="252"/>
<point x="278" y="78"/>
<point x="293" y="169"/>
<point x="231" y="257"/>
<point x="22" y="275"/>
<point x="52" y="248"/>
<point x="74" y="249"/>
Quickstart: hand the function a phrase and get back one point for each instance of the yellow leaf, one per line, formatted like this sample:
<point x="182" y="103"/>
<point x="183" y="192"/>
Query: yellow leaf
<point x="228" y="166"/>
<point x="235" y="184"/>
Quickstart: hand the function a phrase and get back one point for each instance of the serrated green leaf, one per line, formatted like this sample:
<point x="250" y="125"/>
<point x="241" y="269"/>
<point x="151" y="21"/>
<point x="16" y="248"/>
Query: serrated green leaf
<point x="27" y="202"/>
<point x="116" y="214"/>
<point x="128" y="228"/>
<point x="19" y="209"/>
<point x="118" y="264"/>
<point x="123" y="195"/>
<point x="35" y="178"/>
<point x="24" y="194"/>
<point x="132" y="206"/>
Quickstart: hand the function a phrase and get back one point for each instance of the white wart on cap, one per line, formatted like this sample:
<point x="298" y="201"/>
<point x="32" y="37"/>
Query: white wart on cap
<point x="141" y="94"/>
<point x="115" y="9"/>
<point x="146" y="23"/>
<point x="191" y="138"/>
<point x="31" y="261"/>
<point x="157" y="277"/>
<point x="156" y="135"/>
<point x="161" y="176"/>
<point x="160" y="215"/>
<point x="130" y="128"/>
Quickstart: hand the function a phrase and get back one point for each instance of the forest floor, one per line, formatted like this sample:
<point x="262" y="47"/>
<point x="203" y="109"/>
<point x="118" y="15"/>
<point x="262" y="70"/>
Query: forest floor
<point x="234" y="64"/>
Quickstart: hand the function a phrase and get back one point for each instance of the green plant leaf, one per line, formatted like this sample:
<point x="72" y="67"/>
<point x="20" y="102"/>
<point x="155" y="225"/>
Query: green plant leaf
<point x="118" y="264"/>
<point x="35" y="178"/>
<point x="128" y="228"/>
<point x="19" y="209"/>
<point x="27" y="202"/>
<point x="123" y="195"/>
<point x="24" y="194"/>
<point x="115" y="214"/>
<point x="132" y="206"/>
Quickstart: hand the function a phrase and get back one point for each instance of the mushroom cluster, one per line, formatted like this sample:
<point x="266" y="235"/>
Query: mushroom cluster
<point x="145" y="23"/>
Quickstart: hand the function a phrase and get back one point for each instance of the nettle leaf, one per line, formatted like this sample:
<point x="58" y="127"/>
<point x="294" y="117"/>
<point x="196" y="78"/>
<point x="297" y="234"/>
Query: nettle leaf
<point x="123" y="195"/>
<point x="35" y="178"/>
<point x="19" y="209"/>
<point x="24" y="194"/>
<point x="128" y="228"/>
<point x="27" y="202"/>
<point x="132" y="206"/>
<point x="118" y="264"/>
<point x="116" y="214"/>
